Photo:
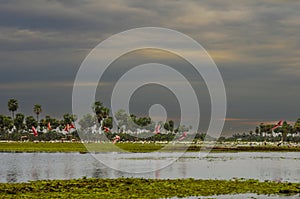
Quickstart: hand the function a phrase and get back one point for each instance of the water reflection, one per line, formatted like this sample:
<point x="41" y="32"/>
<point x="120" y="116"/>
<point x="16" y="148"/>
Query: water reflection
<point x="22" y="167"/>
<point x="97" y="173"/>
<point x="68" y="168"/>
<point x="35" y="172"/>
<point x="12" y="171"/>
<point x="11" y="176"/>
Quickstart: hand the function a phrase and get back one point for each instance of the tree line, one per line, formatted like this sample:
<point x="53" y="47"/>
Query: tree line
<point x="264" y="132"/>
<point x="129" y="126"/>
<point x="17" y="125"/>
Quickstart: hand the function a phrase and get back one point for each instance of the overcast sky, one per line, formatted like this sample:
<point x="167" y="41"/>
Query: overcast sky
<point x="255" y="45"/>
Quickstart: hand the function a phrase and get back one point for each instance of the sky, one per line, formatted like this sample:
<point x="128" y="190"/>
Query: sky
<point x="255" y="45"/>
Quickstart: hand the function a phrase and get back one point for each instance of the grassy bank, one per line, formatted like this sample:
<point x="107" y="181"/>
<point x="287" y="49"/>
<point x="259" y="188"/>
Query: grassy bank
<point x="141" y="188"/>
<point x="131" y="147"/>
<point x="41" y="147"/>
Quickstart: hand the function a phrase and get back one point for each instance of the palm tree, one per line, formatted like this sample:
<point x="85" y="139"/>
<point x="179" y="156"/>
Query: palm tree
<point x="37" y="109"/>
<point x="30" y="121"/>
<point x="19" y="121"/>
<point x="13" y="106"/>
<point x="105" y="112"/>
<point x="97" y="106"/>
<point x="100" y="111"/>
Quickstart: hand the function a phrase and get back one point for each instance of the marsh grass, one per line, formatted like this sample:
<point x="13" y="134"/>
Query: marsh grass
<point x="128" y="147"/>
<point x="41" y="147"/>
<point x="141" y="188"/>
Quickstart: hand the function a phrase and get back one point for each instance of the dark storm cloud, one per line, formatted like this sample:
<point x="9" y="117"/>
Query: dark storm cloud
<point x="68" y="15"/>
<point x="254" y="43"/>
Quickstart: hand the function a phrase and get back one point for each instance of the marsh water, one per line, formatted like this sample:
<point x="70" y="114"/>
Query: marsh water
<point x="274" y="166"/>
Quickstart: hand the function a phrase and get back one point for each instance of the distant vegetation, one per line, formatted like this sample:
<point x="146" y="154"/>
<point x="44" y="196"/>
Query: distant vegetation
<point x="264" y="132"/>
<point x="98" y="127"/>
<point x="20" y="127"/>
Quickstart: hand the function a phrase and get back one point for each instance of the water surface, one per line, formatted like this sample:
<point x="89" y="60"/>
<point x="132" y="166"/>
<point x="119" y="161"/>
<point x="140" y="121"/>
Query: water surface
<point x="274" y="166"/>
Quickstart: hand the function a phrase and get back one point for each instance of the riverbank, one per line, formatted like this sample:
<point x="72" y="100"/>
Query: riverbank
<point x="141" y="188"/>
<point x="134" y="147"/>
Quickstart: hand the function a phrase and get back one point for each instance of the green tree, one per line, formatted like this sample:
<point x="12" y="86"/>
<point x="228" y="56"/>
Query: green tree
<point x="108" y="122"/>
<point x="133" y="117"/>
<point x="285" y="129"/>
<point x="132" y="122"/>
<point x="97" y="107"/>
<point x="30" y="121"/>
<point x="37" y="109"/>
<point x="143" y="121"/>
<point x="68" y="118"/>
<point x="6" y="122"/>
<point x="121" y="118"/>
<point x="1" y="121"/>
<point x="13" y="106"/>
<point x="261" y="127"/>
<point x="257" y="130"/>
<point x="171" y="125"/>
<point x="86" y="121"/>
<point x="297" y="125"/>
<point x="167" y="126"/>
<point x="19" y="121"/>
<point x="181" y="129"/>
<point x="100" y="111"/>
<point x="53" y="122"/>
<point x="251" y="134"/>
